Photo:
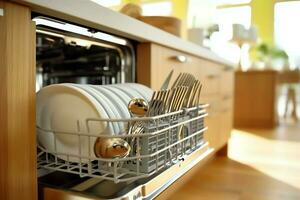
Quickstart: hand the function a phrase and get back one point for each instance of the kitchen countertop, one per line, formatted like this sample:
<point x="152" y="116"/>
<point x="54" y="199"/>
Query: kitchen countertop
<point x="91" y="14"/>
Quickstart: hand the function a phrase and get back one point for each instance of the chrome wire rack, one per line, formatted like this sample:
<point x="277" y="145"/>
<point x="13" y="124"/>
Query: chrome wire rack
<point x="166" y="139"/>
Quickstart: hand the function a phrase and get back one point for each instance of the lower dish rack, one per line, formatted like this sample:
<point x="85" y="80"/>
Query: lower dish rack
<point x="165" y="140"/>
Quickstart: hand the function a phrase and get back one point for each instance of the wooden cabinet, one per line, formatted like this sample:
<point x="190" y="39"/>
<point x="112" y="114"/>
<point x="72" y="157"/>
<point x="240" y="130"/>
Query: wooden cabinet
<point x="18" y="179"/>
<point x="255" y="99"/>
<point x="154" y="63"/>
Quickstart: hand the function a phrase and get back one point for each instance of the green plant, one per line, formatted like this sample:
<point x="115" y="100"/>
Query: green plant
<point x="265" y="52"/>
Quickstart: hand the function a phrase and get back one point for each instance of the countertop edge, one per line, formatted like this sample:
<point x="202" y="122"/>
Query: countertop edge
<point x="93" y="15"/>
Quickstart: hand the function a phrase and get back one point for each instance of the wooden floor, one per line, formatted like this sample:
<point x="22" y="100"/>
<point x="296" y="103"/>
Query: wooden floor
<point x="262" y="165"/>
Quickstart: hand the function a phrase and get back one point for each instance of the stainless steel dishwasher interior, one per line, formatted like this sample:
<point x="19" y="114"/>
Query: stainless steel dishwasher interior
<point x="70" y="53"/>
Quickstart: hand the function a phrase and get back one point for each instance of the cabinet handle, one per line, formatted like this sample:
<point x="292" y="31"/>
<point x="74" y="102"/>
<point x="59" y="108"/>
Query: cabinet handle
<point x="225" y="110"/>
<point x="180" y="58"/>
<point x="227" y="68"/>
<point x="226" y="97"/>
<point x="212" y="76"/>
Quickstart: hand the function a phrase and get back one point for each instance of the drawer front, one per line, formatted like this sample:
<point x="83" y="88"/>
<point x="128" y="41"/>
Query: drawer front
<point x="211" y="82"/>
<point x="213" y="101"/>
<point x="212" y="121"/>
<point x="227" y="81"/>
<point x="219" y="120"/>
<point x="212" y="135"/>
<point x="226" y="103"/>
<point x="226" y="119"/>
<point x="163" y="60"/>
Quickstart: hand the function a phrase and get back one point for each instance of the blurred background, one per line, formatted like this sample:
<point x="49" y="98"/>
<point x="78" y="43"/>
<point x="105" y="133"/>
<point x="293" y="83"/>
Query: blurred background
<point x="261" y="38"/>
<point x="252" y="34"/>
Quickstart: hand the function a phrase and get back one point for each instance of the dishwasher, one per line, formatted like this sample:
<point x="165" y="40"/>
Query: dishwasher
<point x="70" y="53"/>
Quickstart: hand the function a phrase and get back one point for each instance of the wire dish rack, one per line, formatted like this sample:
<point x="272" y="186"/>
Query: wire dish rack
<point x="166" y="139"/>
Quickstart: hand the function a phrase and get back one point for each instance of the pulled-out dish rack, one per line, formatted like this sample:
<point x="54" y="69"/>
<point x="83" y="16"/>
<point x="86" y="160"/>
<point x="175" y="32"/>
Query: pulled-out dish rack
<point x="165" y="140"/>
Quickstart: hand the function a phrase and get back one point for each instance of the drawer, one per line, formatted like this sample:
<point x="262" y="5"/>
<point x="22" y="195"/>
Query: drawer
<point x="226" y="103"/>
<point x="163" y="60"/>
<point x="155" y="62"/>
<point x="227" y="81"/>
<point x="212" y="135"/>
<point x="211" y="84"/>
<point x="214" y="102"/>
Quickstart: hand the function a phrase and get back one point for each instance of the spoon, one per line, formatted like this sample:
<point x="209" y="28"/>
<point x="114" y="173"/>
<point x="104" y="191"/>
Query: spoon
<point x="111" y="148"/>
<point x="138" y="107"/>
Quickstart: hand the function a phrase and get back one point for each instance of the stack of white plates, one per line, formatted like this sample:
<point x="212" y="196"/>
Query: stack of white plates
<point x="65" y="108"/>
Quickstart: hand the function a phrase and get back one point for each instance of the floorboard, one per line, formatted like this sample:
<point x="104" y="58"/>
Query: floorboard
<point x="262" y="165"/>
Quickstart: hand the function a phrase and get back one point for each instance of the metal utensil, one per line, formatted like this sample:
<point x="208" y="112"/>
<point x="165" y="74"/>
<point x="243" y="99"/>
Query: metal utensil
<point x="177" y="80"/>
<point x="167" y="81"/>
<point x="138" y="107"/>
<point x="184" y="79"/>
<point x="193" y="94"/>
<point x="111" y="148"/>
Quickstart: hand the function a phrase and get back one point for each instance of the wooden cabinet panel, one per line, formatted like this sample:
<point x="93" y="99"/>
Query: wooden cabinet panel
<point x="214" y="102"/>
<point x="18" y="178"/>
<point x="212" y="135"/>
<point x="226" y="123"/>
<point x="255" y="99"/>
<point x="155" y="63"/>
<point x="227" y="79"/>
<point x="211" y="80"/>
<point x="226" y="103"/>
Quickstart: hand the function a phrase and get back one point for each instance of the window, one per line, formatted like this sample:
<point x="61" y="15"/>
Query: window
<point x="287" y="31"/>
<point x="108" y="3"/>
<point x="231" y="2"/>
<point x="157" y="9"/>
<point x="227" y="16"/>
<point x="220" y="41"/>
<point x="200" y="13"/>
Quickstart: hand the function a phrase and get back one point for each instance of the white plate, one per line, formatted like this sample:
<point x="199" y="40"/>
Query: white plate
<point x="61" y="108"/>
<point x="105" y="103"/>
<point x="122" y="95"/>
<point x="128" y="90"/>
<point x="137" y="89"/>
<point x="117" y="100"/>
<point x="142" y="89"/>
<point x="116" y="103"/>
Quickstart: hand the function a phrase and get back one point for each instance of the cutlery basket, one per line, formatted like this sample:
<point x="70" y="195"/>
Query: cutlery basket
<point x="166" y="139"/>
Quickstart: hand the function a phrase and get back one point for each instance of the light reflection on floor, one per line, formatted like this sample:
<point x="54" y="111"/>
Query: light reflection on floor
<point x="270" y="152"/>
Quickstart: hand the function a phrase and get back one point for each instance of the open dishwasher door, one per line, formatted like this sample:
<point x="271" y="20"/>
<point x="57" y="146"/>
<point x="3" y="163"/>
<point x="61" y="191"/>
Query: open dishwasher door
<point x="63" y="186"/>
